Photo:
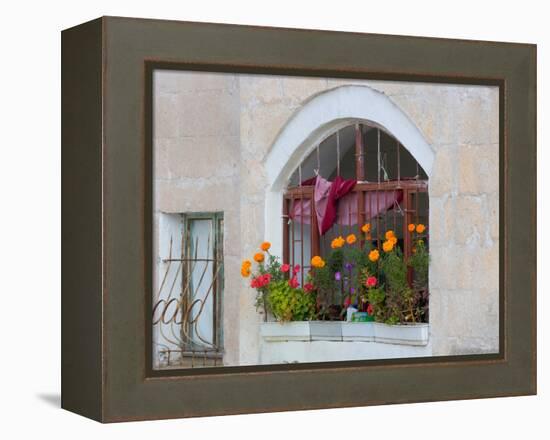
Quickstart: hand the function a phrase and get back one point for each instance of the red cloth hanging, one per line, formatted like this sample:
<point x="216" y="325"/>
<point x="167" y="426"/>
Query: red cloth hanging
<point x="326" y="195"/>
<point x="335" y="203"/>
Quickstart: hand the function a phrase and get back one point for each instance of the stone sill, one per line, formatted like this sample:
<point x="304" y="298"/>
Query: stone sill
<point x="339" y="331"/>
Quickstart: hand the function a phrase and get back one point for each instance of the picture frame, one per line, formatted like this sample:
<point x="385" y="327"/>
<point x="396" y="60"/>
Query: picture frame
<point x="107" y="67"/>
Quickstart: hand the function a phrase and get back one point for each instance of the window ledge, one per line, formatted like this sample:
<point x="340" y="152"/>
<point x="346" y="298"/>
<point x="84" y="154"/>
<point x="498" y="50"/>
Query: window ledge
<point x="338" y="331"/>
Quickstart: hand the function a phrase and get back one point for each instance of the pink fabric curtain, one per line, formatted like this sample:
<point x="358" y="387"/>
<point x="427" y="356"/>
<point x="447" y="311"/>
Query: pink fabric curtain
<point x="326" y="195"/>
<point x="376" y="202"/>
<point x="339" y="205"/>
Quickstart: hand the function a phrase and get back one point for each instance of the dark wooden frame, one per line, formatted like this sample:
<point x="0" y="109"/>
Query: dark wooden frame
<point x="107" y="199"/>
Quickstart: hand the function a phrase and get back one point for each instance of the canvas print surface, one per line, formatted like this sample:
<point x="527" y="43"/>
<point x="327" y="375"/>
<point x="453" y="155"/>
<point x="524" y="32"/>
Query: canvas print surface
<point x="302" y="219"/>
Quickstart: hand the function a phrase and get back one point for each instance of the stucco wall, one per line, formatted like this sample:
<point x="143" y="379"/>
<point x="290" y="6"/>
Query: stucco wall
<point x="214" y="135"/>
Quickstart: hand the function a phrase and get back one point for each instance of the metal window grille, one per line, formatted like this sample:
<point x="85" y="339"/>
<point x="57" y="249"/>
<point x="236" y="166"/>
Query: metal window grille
<point x="187" y="310"/>
<point x="377" y="182"/>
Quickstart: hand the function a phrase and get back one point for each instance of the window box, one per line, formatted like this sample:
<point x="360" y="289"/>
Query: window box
<point x="285" y="331"/>
<point x="358" y="331"/>
<point x="403" y="334"/>
<point x="408" y="334"/>
<point x="326" y="330"/>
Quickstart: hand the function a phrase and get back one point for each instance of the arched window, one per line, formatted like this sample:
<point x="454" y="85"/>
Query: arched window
<point x="359" y="174"/>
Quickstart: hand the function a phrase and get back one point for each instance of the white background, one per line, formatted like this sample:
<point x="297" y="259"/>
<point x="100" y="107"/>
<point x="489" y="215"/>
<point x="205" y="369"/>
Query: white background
<point x="30" y="219"/>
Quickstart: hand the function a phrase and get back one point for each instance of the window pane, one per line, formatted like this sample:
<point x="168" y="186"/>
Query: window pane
<point x="202" y="282"/>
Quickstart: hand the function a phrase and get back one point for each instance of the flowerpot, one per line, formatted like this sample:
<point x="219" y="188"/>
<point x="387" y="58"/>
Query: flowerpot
<point x="404" y="334"/>
<point x="326" y="330"/>
<point x="285" y="331"/>
<point x="358" y="331"/>
<point x="350" y="311"/>
<point x="362" y="317"/>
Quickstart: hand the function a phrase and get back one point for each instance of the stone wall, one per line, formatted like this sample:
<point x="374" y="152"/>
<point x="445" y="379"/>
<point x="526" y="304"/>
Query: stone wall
<point x="213" y="133"/>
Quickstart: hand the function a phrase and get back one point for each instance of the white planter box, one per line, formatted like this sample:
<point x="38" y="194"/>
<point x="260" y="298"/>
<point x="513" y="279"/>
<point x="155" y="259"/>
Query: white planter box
<point x="408" y="334"/>
<point x="285" y="331"/>
<point x="358" y="331"/>
<point x="326" y="330"/>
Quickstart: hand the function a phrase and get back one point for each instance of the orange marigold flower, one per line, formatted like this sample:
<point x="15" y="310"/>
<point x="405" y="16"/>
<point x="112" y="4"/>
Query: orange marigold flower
<point x="389" y="234"/>
<point x="246" y="263"/>
<point x="245" y="272"/>
<point x="411" y="227"/>
<point x="351" y="238"/>
<point x="420" y="228"/>
<point x="338" y="242"/>
<point x="387" y="246"/>
<point x="317" y="262"/>
<point x="366" y="228"/>
<point x="265" y="246"/>
<point x="259" y="257"/>
<point x="393" y="240"/>
<point x="374" y="255"/>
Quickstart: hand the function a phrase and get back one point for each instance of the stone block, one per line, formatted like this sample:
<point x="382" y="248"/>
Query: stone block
<point x="298" y="90"/>
<point x="478" y="169"/>
<point x="451" y="267"/>
<point x="196" y="157"/>
<point x="260" y="126"/>
<point x="443" y="177"/>
<point x="260" y="89"/>
<point x="165" y="116"/>
<point x="195" y="195"/>
<point x="212" y="113"/>
<point x="471" y="220"/>
<point x="485" y="271"/>
<point x="443" y="220"/>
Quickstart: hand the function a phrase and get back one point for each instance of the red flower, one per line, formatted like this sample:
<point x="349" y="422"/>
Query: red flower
<point x="285" y="267"/>
<point x="296" y="269"/>
<point x="293" y="282"/>
<point x="370" y="310"/>
<point x="371" y="281"/>
<point x="347" y="302"/>
<point x="308" y="287"/>
<point x="260" y="281"/>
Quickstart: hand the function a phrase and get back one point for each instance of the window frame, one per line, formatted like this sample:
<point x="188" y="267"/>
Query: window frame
<point x="217" y="230"/>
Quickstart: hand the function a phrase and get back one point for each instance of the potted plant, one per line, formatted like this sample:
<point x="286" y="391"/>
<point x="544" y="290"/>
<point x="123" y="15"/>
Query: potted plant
<point x="278" y="293"/>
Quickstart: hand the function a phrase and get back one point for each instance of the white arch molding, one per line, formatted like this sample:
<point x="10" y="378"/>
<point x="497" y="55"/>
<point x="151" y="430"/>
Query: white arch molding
<point x="320" y="116"/>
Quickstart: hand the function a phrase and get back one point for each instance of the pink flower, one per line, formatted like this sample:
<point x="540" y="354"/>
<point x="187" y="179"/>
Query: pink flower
<point x="285" y="267"/>
<point x="370" y="310"/>
<point x="308" y="287"/>
<point x="296" y="269"/>
<point x="371" y="281"/>
<point x="293" y="282"/>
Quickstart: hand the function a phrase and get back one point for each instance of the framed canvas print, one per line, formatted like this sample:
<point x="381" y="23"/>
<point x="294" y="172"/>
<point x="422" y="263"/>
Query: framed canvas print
<point x="302" y="219"/>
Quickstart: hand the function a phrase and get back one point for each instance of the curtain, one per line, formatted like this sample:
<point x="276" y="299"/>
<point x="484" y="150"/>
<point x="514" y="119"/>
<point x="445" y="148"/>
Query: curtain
<point x="335" y="203"/>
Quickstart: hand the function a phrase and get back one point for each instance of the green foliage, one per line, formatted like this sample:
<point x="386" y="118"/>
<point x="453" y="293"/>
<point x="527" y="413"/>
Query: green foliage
<point x="394" y="269"/>
<point x="419" y="261"/>
<point x="273" y="267"/>
<point x="336" y="260"/>
<point x="289" y="304"/>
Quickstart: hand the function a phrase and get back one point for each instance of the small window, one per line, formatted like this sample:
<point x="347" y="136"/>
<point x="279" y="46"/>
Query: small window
<point x="187" y="310"/>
